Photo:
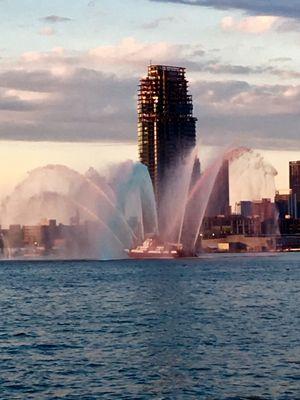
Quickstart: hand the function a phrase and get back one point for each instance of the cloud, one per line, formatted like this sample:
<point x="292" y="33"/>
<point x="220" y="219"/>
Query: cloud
<point x="241" y="98"/>
<point x="15" y="104"/>
<point x="157" y="22"/>
<point x="67" y="95"/>
<point x="281" y="8"/>
<point x="86" y="105"/>
<point x="265" y="15"/>
<point x="47" y="31"/>
<point x="129" y="57"/>
<point x="254" y="115"/>
<point x="90" y="105"/>
<point x="33" y="81"/>
<point x="257" y="25"/>
<point x="92" y="3"/>
<point x="216" y="67"/>
<point x="288" y="25"/>
<point x="260" y="24"/>
<point x="53" y="19"/>
<point x="136" y="53"/>
<point x="281" y="59"/>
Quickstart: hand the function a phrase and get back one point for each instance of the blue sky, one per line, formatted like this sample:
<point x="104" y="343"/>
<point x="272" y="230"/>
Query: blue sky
<point x="106" y="22"/>
<point x="69" y="69"/>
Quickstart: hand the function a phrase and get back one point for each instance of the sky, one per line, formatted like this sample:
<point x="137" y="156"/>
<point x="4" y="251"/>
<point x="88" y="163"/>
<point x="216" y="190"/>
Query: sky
<point x="69" y="72"/>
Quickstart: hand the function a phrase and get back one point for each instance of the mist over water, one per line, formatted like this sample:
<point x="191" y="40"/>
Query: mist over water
<point x="252" y="177"/>
<point x="111" y="203"/>
<point x="119" y="205"/>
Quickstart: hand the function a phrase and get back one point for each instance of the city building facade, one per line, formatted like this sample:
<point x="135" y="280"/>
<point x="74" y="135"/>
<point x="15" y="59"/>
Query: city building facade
<point x="295" y="187"/>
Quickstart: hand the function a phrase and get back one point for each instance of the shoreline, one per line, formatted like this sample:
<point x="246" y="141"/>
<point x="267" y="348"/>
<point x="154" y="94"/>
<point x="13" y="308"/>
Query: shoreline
<point x="201" y="256"/>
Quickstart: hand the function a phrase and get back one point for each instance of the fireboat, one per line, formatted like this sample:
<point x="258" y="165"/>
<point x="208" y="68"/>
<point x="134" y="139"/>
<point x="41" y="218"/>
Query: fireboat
<point x="153" y="248"/>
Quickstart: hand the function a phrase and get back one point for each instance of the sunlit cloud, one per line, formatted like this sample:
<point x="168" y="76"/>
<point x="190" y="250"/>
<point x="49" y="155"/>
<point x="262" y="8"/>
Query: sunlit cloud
<point x="27" y="95"/>
<point x="73" y="95"/>
<point x="256" y="25"/>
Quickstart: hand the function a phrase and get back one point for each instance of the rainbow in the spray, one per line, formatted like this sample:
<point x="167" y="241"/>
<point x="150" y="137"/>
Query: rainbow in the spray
<point x="122" y="206"/>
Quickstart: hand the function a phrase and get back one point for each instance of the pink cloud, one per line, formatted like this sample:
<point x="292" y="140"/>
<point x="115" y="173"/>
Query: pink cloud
<point x="255" y="25"/>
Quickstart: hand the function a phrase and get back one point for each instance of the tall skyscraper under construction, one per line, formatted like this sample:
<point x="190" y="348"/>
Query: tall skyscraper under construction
<point x="166" y="126"/>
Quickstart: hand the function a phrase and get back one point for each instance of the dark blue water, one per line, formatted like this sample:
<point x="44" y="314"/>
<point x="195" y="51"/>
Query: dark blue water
<point x="215" y="328"/>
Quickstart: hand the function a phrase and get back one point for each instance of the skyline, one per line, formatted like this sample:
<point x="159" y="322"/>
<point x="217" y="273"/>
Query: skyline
<point x="66" y="76"/>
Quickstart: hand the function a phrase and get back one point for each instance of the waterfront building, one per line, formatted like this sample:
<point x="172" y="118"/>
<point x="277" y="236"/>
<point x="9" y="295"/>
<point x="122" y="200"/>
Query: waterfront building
<point x="166" y="126"/>
<point x="295" y="187"/>
<point x="32" y="235"/>
<point x="14" y="236"/>
<point x="246" y="208"/>
<point x="264" y="208"/>
<point x="222" y="226"/>
<point x="290" y="226"/>
<point x="283" y="203"/>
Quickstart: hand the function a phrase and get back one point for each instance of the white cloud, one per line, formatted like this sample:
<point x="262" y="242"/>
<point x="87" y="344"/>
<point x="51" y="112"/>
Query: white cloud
<point x="130" y="51"/>
<point x="127" y="57"/>
<point x="255" y="24"/>
<point x="27" y="95"/>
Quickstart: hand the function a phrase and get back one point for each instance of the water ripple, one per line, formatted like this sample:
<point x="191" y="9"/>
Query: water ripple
<point x="218" y="328"/>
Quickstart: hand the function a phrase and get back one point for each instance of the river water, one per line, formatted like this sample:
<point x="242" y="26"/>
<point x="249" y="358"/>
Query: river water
<point x="219" y="327"/>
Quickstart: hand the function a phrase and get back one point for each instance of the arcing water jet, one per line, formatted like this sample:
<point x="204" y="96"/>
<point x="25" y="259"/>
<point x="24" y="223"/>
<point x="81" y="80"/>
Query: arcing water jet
<point x="122" y="204"/>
